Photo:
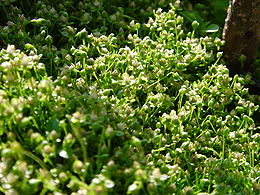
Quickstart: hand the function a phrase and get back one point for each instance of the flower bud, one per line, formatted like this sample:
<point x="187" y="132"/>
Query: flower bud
<point x="195" y="24"/>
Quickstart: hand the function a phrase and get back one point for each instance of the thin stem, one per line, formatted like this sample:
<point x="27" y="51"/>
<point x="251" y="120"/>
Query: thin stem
<point x="223" y="145"/>
<point x="35" y="158"/>
<point x="80" y="140"/>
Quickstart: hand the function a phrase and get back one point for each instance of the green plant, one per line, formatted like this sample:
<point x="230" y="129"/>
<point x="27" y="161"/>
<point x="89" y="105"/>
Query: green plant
<point x="122" y="108"/>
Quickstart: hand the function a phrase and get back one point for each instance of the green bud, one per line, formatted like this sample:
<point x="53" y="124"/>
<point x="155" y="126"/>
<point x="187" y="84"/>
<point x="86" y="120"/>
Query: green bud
<point x="242" y="58"/>
<point x="195" y="24"/>
<point x="49" y="39"/>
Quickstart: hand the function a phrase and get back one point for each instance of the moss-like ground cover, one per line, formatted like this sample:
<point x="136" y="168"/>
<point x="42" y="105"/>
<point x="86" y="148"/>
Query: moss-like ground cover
<point x="121" y="97"/>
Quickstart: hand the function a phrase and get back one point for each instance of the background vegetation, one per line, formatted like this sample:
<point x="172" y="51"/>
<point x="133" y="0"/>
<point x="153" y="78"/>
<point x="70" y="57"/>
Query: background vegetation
<point x="122" y="97"/>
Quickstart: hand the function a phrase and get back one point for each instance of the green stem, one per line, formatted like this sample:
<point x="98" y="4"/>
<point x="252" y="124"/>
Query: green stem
<point x="82" y="145"/>
<point x="214" y="151"/>
<point x="192" y="34"/>
<point x="35" y="158"/>
<point x="213" y="127"/>
<point x="99" y="150"/>
<point x="223" y="145"/>
<point x="2" y="190"/>
<point x="180" y="102"/>
<point x="44" y="190"/>
<point x="252" y="158"/>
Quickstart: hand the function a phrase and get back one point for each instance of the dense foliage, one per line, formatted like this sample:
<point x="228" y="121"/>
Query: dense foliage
<point x="121" y="97"/>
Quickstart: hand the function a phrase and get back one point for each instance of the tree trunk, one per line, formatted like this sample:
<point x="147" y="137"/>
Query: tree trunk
<point x="242" y="35"/>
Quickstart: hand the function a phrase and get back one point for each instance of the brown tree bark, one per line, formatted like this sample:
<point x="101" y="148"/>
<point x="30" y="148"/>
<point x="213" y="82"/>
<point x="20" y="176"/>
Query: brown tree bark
<point x="242" y="35"/>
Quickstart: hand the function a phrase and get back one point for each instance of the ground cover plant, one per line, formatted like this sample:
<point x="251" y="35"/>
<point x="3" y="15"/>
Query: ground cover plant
<point x="121" y="97"/>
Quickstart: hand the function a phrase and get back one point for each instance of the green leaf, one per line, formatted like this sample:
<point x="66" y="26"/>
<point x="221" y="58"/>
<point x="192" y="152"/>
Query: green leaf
<point x="211" y="28"/>
<point x="191" y="16"/>
<point x="26" y="120"/>
<point x="53" y="124"/>
<point x="38" y="21"/>
<point x="29" y="46"/>
<point x="119" y="133"/>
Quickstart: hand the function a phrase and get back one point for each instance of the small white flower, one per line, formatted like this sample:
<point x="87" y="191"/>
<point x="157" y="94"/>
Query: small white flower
<point x="10" y="49"/>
